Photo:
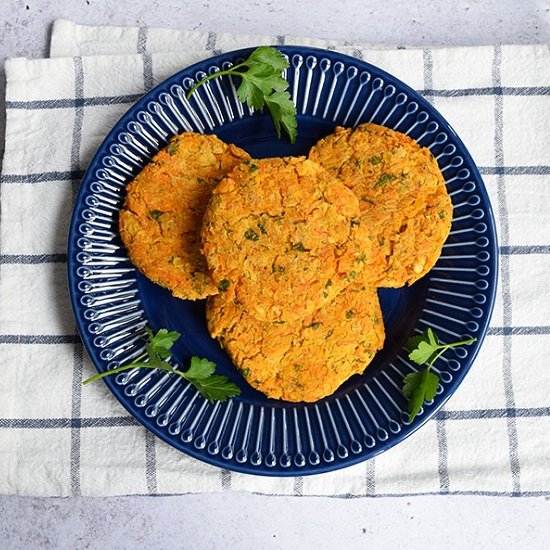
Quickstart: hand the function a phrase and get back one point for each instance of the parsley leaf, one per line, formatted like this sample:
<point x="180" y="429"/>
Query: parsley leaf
<point x="269" y="56"/>
<point x="423" y="353"/>
<point x="262" y="85"/>
<point x="161" y="343"/>
<point x="283" y="113"/>
<point x="200" y="368"/>
<point x="200" y="373"/>
<point x="249" y="93"/>
<point x="215" y="387"/>
<point x="422" y="385"/>
<point x="419" y="387"/>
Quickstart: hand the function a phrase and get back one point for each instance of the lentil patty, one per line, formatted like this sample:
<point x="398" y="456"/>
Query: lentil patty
<point x="282" y="237"/>
<point x="306" y="359"/>
<point x="404" y="203"/>
<point x="162" y="215"/>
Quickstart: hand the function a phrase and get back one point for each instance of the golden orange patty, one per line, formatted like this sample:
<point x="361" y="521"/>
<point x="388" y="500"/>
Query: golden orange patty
<point x="162" y="215"/>
<point x="417" y="245"/>
<point x="282" y="237"/>
<point x="306" y="359"/>
<point x="404" y="203"/>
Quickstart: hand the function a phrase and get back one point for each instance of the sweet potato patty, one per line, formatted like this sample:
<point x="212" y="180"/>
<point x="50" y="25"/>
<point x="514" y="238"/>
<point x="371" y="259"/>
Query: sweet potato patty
<point x="282" y="237"/>
<point x="404" y="204"/>
<point x="162" y="215"/>
<point x="306" y="359"/>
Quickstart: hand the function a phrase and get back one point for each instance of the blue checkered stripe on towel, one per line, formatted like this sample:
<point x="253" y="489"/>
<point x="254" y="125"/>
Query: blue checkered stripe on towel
<point x="57" y="438"/>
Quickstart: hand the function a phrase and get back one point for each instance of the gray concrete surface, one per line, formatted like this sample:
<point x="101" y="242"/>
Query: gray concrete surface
<point x="236" y="520"/>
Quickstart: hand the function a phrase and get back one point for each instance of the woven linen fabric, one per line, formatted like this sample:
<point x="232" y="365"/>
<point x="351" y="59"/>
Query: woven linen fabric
<point x="58" y="438"/>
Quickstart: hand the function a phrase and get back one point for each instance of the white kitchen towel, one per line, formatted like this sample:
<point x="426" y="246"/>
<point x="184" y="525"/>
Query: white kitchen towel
<point x="58" y="438"/>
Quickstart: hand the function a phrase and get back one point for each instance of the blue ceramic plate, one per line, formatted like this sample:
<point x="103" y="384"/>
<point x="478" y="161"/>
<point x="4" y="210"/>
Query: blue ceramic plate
<point x="113" y="302"/>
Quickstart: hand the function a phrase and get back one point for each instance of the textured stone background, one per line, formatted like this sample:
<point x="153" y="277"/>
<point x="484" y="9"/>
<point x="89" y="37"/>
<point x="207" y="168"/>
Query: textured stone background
<point x="236" y="520"/>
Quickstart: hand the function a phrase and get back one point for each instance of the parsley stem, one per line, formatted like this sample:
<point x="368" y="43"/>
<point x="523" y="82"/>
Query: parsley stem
<point x="445" y="347"/>
<point x="114" y="371"/>
<point x="231" y="71"/>
<point x="132" y="366"/>
<point x="461" y="343"/>
<point x="118" y="369"/>
<point x="441" y="352"/>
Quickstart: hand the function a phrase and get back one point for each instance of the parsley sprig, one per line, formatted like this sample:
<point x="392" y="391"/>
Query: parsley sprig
<point x="262" y="85"/>
<point x="422" y="385"/>
<point x="201" y="372"/>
